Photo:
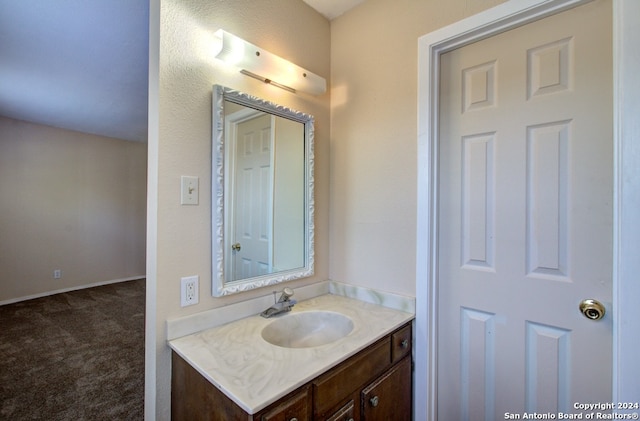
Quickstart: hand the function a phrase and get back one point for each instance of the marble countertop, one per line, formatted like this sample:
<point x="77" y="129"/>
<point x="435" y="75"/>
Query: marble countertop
<point x="254" y="373"/>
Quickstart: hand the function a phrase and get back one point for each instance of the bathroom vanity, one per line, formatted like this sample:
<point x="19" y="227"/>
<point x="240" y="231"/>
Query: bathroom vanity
<point x="233" y="373"/>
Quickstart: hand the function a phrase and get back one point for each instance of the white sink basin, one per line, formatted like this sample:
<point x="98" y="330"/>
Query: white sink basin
<point x="308" y="329"/>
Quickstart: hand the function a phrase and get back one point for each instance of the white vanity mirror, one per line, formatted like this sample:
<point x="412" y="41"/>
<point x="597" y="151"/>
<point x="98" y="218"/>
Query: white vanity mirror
<point x="262" y="193"/>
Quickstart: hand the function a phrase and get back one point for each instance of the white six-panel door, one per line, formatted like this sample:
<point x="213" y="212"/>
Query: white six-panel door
<point x="525" y="218"/>
<point x="253" y="198"/>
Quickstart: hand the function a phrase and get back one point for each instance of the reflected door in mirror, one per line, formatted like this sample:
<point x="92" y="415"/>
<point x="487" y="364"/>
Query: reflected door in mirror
<point x="252" y="203"/>
<point x="265" y="202"/>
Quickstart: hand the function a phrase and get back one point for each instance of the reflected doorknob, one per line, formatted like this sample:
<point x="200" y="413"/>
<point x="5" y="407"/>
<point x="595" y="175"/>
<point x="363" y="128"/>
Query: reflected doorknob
<point x="592" y="309"/>
<point x="236" y="247"/>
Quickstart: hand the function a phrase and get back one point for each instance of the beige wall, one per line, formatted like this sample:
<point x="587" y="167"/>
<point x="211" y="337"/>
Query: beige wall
<point x="374" y="137"/>
<point x="69" y="201"/>
<point x="182" y="146"/>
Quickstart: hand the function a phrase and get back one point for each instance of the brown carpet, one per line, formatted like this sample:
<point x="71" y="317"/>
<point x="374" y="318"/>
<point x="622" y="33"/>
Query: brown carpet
<point x="74" y="356"/>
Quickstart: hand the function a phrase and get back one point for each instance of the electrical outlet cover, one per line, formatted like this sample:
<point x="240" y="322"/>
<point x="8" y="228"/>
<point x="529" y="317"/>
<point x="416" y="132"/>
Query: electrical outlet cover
<point x="189" y="294"/>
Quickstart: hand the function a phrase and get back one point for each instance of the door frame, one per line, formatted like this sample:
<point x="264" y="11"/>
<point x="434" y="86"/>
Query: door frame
<point x="626" y="200"/>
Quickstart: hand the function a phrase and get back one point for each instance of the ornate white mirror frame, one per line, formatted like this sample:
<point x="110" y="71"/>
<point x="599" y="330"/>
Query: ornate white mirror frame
<point x="219" y="183"/>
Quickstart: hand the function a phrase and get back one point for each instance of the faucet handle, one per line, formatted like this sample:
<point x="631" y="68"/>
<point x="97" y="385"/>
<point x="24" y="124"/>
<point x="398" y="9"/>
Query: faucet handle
<point x="287" y="292"/>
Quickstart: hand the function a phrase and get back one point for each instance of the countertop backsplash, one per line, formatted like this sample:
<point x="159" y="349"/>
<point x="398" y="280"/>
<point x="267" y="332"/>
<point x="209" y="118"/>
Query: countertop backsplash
<point x="208" y="319"/>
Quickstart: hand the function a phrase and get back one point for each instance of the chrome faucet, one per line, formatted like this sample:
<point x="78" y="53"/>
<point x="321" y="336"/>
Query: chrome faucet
<point x="283" y="304"/>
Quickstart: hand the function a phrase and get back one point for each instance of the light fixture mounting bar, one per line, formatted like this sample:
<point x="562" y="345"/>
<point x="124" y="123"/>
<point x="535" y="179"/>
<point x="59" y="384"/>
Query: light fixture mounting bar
<point x="265" y="80"/>
<point x="265" y="66"/>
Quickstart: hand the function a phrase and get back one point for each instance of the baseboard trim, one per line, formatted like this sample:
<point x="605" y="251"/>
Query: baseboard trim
<point x="76" y="288"/>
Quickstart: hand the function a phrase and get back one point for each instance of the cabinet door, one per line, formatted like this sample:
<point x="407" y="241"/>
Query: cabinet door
<point x="389" y="397"/>
<point x="295" y="408"/>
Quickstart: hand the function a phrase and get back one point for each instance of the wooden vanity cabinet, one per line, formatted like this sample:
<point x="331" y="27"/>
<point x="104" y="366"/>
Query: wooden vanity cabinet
<point x="373" y="385"/>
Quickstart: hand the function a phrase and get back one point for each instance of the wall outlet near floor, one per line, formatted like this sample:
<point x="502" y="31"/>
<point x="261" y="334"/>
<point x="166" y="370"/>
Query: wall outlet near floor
<point x="189" y="290"/>
<point x="57" y="274"/>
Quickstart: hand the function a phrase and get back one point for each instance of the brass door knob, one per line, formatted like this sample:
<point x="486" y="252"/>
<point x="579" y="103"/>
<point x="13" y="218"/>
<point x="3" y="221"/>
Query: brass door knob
<point x="236" y="247"/>
<point x="592" y="309"/>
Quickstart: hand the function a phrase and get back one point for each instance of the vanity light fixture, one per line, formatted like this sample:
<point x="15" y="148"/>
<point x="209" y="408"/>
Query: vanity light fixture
<point x="265" y="66"/>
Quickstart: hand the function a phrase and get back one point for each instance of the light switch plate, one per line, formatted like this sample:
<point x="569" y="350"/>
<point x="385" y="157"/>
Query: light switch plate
<point x="189" y="190"/>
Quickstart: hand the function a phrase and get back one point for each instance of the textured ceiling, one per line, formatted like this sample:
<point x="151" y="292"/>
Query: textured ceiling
<point x="76" y="64"/>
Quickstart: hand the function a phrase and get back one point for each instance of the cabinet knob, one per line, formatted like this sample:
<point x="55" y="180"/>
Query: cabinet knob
<point x="374" y="401"/>
<point x="405" y="344"/>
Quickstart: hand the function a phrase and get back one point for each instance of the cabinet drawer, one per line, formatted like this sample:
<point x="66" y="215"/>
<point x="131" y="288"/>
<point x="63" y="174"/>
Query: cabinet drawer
<point x="401" y="344"/>
<point x="296" y="407"/>
<point x="330" y="388"/>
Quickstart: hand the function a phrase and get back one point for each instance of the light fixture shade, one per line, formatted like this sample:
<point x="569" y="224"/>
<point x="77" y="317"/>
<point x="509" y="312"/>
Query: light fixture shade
<point x="268" y="67"/>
